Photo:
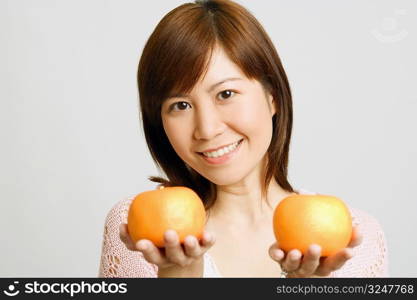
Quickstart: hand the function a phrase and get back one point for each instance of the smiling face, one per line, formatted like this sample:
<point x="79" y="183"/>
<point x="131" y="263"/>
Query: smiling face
<point x="223" y="108"/>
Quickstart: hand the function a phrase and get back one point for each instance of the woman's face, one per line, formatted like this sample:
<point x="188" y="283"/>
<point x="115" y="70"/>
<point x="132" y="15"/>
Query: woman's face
<point x="224" y="108"/>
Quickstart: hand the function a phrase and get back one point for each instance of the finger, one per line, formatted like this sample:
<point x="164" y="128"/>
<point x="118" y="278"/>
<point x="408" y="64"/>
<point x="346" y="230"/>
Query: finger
<point x="276" y="253"/>
<point x="357" y="238"/>
<point x="173" y="249"/>
<point x="292" y="261"/>
<point x="334" y="262"/>
<point x="125" y="237"/>
<point x="310" y="261"/>
<point x="207" y="241"/>
<point x="192" y="247"/>
<point x="151" y="253"/>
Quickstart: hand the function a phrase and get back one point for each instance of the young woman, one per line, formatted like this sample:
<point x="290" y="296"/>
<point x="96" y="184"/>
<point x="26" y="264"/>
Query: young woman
<point x="217" y="115"/>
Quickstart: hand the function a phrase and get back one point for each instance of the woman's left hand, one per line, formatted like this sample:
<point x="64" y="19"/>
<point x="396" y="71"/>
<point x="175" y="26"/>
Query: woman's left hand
<point x="311" y="264"/>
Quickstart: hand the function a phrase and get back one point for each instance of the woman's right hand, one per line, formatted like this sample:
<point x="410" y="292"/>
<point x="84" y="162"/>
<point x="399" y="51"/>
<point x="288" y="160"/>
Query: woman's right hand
<point x="174" y="260"/>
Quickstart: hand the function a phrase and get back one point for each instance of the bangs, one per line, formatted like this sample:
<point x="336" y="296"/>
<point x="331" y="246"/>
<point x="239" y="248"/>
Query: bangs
<point x="176" y="56"/>
<point x="187" y="72"/>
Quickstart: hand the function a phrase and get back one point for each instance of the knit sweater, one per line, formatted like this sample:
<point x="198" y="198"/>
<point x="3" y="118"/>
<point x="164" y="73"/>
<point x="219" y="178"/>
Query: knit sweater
<point x="370" y="257"/>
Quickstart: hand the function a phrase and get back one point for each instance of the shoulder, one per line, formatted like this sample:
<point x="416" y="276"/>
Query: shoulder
<point x="116" y="259"/>
<point x="371" y="230"/>
<point x="371" y="256"/>
<point x="118" y="212"/>
<point x="374" y="241"/>
<point x="364" y="219"/>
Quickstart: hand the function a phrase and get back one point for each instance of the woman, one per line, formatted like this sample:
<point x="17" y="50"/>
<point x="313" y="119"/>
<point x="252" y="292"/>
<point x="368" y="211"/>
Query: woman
<point x="217" y="114"/>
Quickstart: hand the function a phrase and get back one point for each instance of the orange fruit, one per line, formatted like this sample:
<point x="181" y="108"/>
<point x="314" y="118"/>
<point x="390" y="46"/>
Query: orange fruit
<point x="302" y="220"/>
<point x="151" y="213"/>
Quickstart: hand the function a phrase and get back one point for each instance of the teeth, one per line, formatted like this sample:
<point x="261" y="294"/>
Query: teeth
<point x="221" y="151"/>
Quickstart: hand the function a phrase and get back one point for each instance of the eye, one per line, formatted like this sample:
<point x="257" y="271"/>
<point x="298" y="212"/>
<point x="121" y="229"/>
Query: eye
<point x="178" y="106"/>
<point x="226" y="94"/>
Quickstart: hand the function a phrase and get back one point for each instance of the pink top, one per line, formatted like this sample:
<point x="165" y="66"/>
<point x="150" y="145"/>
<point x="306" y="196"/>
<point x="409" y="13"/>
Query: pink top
<point x="370" y="258"/>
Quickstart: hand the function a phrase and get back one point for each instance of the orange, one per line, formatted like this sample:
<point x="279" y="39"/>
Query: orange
<point x="302" y="220"/>
<point x="151" y="213"/>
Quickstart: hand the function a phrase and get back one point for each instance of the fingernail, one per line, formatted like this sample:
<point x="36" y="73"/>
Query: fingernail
<point x="315" y="248"/>
<point x="349" y="254"/>
<point x="190" y="241"/>
<point x="295" y="256"/>
<point x="170" y="236"/>
<point x="142" y="246"/>
<point x="277" y="255"/>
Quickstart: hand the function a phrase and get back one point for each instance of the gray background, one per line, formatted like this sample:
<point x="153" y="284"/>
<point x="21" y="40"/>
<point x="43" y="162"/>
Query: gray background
<point x="72" y="145"/>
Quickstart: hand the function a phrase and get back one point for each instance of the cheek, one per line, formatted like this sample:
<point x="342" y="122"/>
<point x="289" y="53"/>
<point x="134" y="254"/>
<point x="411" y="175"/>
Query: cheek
<point x="253" y="119"/>
<point x="177" y="133"/>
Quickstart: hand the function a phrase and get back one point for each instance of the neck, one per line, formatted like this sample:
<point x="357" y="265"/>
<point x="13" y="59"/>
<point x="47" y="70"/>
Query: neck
<point x="242" y="204"/>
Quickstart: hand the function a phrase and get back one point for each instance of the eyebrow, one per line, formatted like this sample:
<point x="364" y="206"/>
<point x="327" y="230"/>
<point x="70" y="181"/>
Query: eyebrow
<point x="211" y="88"/>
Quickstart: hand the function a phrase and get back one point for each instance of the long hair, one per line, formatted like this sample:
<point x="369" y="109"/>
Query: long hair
<point x="177" y="55"/>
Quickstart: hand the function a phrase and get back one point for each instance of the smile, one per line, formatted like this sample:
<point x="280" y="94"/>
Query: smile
<point x="221" y="155"/>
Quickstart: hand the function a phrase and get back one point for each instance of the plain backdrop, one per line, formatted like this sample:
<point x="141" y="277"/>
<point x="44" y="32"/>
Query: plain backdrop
<point x="72" y="144"/>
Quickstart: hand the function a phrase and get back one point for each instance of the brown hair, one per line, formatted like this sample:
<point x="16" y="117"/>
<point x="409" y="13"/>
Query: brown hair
<point x="177" y="54"/>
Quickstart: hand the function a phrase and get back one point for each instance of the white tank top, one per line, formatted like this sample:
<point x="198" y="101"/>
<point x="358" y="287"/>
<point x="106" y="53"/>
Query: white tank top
<point x="210" y="269"/>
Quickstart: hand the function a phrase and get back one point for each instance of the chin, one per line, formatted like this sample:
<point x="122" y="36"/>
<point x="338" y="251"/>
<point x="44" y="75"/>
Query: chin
<point x="224" y="179"/>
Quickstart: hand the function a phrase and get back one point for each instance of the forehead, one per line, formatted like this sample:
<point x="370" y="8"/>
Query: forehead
<point x="220" y="67"/>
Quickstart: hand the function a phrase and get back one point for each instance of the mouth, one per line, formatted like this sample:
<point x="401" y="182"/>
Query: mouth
<point x="221" y="155"/>
<point x="237" y="143"/>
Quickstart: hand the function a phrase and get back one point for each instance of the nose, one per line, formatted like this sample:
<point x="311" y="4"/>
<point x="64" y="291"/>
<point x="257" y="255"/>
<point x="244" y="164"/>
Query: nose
<point x="208" y="122"/>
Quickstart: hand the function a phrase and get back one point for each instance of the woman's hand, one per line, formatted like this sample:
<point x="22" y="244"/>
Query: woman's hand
<point x="311" y="265"/>
<point x="174" y="260"/>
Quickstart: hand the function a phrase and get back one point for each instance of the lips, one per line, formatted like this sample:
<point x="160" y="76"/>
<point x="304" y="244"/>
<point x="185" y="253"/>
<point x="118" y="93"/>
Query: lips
<point x="215" y="149"/>
<point x="222" y="158"/>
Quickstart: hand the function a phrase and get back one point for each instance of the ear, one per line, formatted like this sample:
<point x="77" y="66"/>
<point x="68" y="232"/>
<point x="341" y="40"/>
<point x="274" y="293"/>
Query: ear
<point x="271" y="104"/>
